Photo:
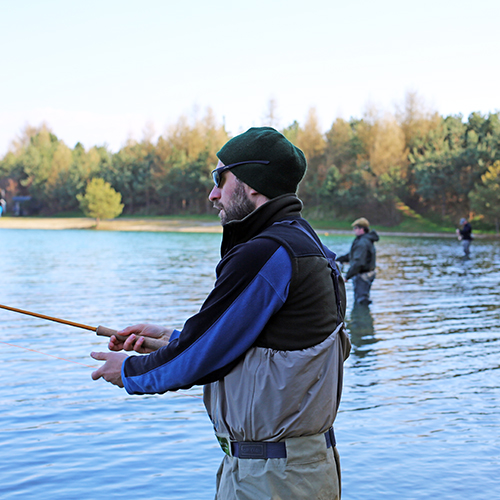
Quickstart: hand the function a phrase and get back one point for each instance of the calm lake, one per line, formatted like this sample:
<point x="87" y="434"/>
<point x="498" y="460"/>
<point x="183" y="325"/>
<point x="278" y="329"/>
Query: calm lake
<point x="419" y="417"/>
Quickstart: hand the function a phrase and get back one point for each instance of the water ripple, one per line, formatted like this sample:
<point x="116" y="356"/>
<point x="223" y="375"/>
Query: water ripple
<point x="421" y="390"/>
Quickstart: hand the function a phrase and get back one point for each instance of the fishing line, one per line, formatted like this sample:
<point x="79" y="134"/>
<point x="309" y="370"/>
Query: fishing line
<point x="47" y="354"/>
<point x="148" y="342"/>
<point x="176" y="393"/>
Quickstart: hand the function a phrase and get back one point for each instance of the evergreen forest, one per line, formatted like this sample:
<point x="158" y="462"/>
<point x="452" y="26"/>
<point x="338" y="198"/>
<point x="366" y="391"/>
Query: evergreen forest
<point x="379" y="166"/>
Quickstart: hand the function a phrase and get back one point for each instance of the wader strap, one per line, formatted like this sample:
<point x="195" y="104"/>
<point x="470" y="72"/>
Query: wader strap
<point x="330" y="259"/>
<point x="264" y="449"/>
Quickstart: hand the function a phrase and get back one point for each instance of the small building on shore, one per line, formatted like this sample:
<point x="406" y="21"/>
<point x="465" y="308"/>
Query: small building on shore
<point x="20" y="205"/>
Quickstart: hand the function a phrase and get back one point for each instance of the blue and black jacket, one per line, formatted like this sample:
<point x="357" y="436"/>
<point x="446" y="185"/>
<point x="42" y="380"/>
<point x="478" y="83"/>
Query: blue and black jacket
<point x="274" y="288"/>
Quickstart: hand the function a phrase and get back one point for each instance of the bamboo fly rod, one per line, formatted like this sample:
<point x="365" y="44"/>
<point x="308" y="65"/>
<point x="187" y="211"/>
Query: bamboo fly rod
<point x="149" y="343"/>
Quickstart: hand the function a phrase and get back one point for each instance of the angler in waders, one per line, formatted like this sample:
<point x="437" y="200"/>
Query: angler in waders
<point x="362" y="260"/>
<point x="465" y="236"/>
<point x="268" y="344"/>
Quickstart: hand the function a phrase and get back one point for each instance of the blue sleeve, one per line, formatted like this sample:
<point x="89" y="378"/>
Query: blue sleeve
<point x="175" y="335"/>
<point x="252" y="285"/>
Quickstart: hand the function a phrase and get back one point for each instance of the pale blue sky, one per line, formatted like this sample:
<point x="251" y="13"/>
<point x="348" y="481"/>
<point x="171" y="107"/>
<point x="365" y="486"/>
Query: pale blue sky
<point x="98" y="71"/>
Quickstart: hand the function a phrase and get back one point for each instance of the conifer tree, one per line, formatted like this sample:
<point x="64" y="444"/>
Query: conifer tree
<point x="485" y="198"/>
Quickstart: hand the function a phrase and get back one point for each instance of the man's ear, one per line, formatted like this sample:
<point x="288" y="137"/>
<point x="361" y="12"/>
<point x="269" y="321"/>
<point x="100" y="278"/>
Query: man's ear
<point x="258" y="198"/>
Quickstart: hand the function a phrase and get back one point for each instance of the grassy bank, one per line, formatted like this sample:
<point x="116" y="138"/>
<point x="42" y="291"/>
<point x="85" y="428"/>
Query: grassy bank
<point x="407" y="225"/>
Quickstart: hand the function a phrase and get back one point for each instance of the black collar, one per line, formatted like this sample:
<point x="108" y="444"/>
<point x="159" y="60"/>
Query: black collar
<point x="286" y="206"/>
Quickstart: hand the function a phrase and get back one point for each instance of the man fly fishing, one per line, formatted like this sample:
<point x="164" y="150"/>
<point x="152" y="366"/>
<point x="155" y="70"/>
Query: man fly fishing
<point x="268" y="343"/>
<point x="362" y="260"/>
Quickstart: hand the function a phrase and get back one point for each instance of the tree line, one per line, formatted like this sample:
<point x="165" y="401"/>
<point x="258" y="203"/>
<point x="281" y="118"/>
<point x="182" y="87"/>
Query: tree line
<point x="442" y="167"/>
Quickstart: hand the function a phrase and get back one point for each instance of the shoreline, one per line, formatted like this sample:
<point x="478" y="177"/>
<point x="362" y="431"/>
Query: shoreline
<point x="152" y="225"/>
<point x="170" y="225"/>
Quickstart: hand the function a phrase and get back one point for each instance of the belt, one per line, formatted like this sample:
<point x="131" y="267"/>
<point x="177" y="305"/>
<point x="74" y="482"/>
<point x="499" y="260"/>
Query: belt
<point x="263" y="449"/>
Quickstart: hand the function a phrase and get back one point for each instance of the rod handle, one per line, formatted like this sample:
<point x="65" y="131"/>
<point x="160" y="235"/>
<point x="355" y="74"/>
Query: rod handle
<point x="149" y="343"/>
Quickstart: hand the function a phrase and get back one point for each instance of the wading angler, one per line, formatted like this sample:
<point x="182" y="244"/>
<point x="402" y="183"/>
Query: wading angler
<point x="268" y="343"/>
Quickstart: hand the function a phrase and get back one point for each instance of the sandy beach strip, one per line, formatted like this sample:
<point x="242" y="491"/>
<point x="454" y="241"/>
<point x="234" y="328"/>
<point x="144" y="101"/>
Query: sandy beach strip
<point x="159" y="225"/>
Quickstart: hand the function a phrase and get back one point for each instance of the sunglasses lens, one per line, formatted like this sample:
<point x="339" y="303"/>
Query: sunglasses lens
<point x="216" y="178"/>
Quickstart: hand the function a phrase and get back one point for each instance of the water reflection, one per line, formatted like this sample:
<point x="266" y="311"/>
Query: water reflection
<point x="422" y="378"/>
<point x="421" y="388"/>
<point x="361" y="330"/>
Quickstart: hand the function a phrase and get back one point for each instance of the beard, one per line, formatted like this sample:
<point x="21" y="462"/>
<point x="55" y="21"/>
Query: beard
<point x="238" y="207"/>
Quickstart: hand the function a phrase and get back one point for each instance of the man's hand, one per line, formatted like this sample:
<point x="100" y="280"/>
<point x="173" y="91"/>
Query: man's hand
<point x="136" y="334"/>
<point x="111" y="371"/>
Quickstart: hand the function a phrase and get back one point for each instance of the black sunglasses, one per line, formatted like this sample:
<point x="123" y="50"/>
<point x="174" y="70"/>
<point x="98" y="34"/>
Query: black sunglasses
<point x="216" y="174"/>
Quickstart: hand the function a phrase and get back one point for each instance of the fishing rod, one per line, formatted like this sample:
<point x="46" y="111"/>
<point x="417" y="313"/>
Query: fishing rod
<point x="149" y="343"/>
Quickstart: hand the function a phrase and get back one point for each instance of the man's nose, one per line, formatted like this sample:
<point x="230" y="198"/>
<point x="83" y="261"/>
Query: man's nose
<point x="214" y="194"/>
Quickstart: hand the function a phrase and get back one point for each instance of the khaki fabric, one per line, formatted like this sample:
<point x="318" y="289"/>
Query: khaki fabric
<point x="274" y="395"/>
<point x="311" y="471"/>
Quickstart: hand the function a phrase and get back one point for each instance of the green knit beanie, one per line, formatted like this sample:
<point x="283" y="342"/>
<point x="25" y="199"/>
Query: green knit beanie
<point x="287" y="163"/>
